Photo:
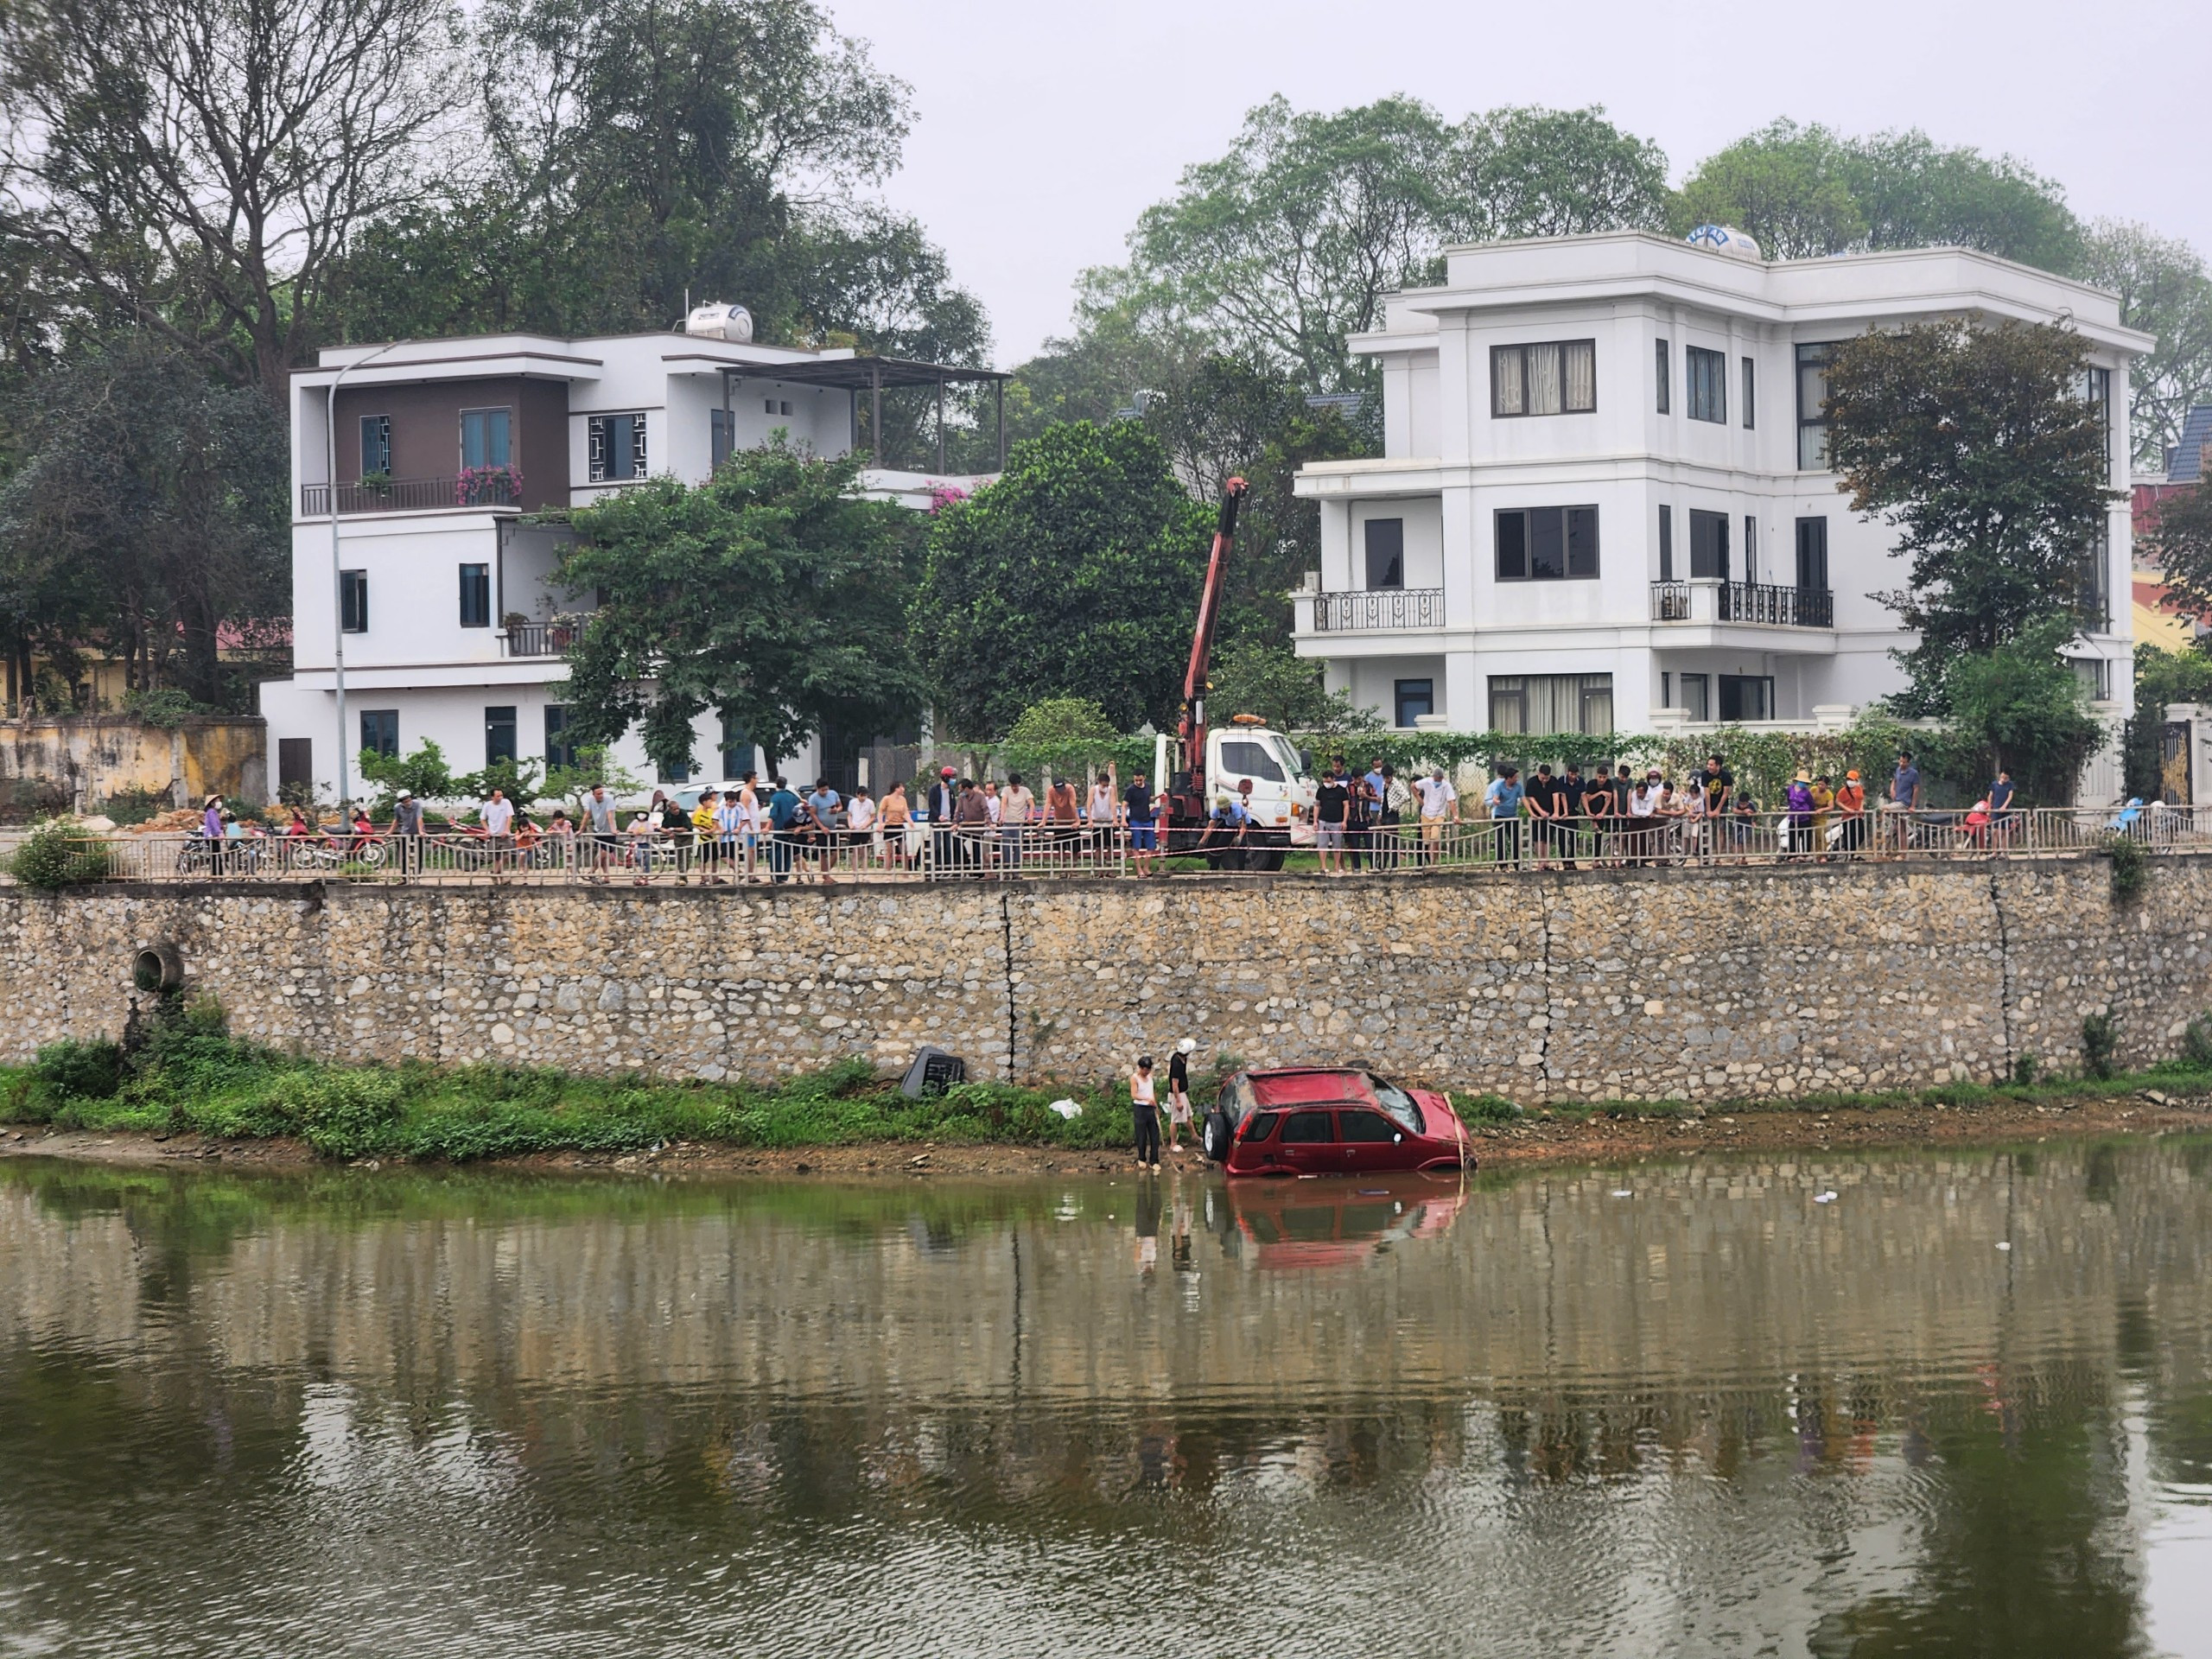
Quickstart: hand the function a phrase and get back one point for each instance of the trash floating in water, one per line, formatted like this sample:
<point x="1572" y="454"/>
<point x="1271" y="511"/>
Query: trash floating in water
<point x="1623" y="1192"/>
<point x="1067" y="1109"/>
<point x="2003" y="1243"/>
<point x="1824" y="1197"/>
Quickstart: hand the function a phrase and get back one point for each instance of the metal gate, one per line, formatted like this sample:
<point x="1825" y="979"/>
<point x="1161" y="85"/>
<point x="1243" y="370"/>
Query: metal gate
<point x="2176" y="786"/>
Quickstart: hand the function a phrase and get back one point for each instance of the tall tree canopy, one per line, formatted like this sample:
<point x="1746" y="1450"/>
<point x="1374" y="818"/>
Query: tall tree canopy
<point x="769" y="596"/>
<point x="2164" y="290"/>
<point x="146" y="517"/>
<point x="1077" y="574"/>
<point x="1278" y="249"/>
<point x="1805" y="191"/>
<point x="251" y="178"/>
<point x="196" y="168"/>
<point x="1976" y="446"/>
<point x="1231" y="418"/>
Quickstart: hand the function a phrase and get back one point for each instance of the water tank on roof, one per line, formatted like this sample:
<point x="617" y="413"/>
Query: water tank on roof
<point x="720" y="321"/>
<point x="1726" y="238"/>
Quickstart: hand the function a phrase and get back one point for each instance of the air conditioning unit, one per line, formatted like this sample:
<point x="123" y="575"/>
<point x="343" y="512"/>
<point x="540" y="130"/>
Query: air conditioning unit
<point x="718" y="321"/>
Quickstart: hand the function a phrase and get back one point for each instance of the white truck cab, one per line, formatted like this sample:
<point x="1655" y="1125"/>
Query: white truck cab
<point x="1281" y="801"/>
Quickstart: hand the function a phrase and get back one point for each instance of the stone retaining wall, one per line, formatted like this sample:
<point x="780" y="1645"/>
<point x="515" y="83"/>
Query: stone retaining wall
<point x="1597" y="985"/>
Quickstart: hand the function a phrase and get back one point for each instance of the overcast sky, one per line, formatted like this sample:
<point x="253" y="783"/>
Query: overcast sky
<point x="1043" y="130"/>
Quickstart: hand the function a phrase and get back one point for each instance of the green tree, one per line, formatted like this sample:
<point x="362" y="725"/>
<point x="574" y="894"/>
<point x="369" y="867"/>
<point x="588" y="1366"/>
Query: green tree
<point x="1974" y="445"/>
<point x="2021" y="704"/>
<point x="147" y="515"/>
<point x="771" y="595"/>
<point x="196" y="168"/>
<point x="1252" y="676"/>
<point x="1535" y="172"/>
<point x="2164" y="290"/>
<point x="2178" y="540"/>
<point x="1231" y="418"/>
<point x="1068" y="735"/>
<point x="1076" y="574"/>
<point x="1785" y="184"/>
<point x="642" y="150"/>
<point x="1278" y="250"/>
<point x="422" y="772"/>
<point x="1806" y="191"/>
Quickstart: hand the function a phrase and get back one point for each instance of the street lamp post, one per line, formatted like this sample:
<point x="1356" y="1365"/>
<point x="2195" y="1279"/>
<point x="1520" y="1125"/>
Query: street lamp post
<point x="337" y="577"/>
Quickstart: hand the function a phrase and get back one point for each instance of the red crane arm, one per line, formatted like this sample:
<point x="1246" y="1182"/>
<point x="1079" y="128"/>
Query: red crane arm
<point x="1192" y="729"/>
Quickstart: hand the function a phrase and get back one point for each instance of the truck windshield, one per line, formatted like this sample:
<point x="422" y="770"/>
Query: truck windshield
<point x="1244" y="757"/>
<point x="1400" y="1104"/>
<point x="1285" y="754"/>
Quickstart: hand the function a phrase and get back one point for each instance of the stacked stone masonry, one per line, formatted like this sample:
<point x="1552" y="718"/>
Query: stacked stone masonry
<point x="1704" y="984"/>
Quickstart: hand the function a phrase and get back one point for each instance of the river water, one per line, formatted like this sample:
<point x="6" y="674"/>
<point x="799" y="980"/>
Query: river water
<point x="1661" y="1409"/>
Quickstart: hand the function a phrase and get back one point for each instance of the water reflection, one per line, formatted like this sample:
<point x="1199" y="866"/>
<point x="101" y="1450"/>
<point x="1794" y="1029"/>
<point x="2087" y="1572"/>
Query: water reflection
<point x="344" y="1413"/>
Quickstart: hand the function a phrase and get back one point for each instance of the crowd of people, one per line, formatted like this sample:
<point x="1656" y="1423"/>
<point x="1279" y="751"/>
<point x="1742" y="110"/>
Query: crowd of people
<point x="769" y="830"/>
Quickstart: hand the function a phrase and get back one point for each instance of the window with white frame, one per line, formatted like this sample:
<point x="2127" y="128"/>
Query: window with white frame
<point x="1556" y="377"/>
<point x="615" y="448"/>
<point x="1708" y="375"/>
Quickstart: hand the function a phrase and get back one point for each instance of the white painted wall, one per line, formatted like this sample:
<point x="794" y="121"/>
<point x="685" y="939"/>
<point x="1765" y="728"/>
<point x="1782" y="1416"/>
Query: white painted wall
<point x="1625" y="292"/>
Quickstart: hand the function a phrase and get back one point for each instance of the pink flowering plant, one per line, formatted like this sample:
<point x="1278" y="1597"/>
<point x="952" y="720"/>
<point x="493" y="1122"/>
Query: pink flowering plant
<point x="493" y="486"/>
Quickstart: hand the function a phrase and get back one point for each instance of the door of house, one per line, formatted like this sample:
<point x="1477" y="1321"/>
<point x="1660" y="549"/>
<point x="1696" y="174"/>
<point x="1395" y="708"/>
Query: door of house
<point x="295" y="764"/>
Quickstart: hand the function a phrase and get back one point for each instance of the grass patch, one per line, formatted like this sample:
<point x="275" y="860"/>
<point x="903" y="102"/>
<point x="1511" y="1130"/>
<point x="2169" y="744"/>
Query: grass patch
<point x="189" y="1075"/>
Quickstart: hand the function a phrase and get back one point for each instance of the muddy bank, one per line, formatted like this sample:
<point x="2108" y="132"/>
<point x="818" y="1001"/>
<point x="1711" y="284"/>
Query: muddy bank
<point x="1539" y="1139"/>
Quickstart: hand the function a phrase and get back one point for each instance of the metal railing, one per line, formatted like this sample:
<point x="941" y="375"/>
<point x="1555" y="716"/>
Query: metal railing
<point x="1788" y="607"/>
<point x="408" y="495"/>
<point x="1743" y="601"/>
<point x="918" y="851"/>
<point x="1378" y="607"/>
<point x="538" y="639"/>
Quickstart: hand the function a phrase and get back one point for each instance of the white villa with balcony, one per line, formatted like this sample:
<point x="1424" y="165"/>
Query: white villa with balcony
<point x="1605" y="503"/>
<point x="452" y="628"/>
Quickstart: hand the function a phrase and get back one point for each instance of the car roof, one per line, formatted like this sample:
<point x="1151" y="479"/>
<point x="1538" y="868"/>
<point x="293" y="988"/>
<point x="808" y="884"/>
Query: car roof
<point x="1311" y="1086"/>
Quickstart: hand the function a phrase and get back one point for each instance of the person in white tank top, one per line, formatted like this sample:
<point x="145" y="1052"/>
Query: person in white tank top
<point x="1144" y="1108"/>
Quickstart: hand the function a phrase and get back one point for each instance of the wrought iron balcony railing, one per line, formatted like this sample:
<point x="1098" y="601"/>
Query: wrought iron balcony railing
<point x="538" y="639"/>
<point x="1743" y="601"/>
<point x="1378" y="607"/>
<point x="411" y="495"/>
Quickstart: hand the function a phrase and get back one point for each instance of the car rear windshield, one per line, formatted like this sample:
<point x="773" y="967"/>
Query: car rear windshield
<point x="1237" y="1099"/>
<point x="1400" y="1104"/>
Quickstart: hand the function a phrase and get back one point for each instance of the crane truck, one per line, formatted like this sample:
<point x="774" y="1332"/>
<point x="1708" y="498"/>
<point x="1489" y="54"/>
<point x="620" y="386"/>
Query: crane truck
<point x="1199" y="768"/>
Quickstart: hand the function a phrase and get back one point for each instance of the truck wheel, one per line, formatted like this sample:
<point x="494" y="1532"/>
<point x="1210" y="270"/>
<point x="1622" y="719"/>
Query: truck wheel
<point x="1268" y="858"/>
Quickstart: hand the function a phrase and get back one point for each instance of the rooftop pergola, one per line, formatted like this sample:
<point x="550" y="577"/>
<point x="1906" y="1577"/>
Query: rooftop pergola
<point x="872" y="375"/>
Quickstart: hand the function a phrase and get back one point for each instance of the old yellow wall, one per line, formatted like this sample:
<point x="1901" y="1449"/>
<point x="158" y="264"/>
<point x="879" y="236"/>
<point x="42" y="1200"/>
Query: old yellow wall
<point x="77" y="763"/>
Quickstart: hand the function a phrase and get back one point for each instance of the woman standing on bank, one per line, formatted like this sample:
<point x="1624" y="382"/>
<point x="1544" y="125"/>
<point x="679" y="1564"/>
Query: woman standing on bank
<point x="1144" y="1109"/>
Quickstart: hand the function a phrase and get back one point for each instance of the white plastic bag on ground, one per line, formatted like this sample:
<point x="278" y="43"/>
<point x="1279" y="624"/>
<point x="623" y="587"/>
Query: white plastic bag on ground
<point x="1067" y="1109"/>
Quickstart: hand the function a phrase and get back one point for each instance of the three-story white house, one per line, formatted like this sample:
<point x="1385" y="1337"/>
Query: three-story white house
<point x="1604" y="502"/>
<point x="451" y="627"/>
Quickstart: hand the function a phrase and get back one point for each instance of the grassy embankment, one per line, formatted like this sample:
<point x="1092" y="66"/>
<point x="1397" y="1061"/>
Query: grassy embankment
<point x="187" y="1075"/>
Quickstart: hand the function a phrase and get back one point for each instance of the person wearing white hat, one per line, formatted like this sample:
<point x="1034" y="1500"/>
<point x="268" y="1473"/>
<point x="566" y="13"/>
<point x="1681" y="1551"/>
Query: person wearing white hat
<point x="1178" y="1093"/>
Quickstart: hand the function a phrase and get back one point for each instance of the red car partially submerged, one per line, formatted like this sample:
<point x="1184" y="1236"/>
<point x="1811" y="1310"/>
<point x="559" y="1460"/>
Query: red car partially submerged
<point x="1331" y="1120"/>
